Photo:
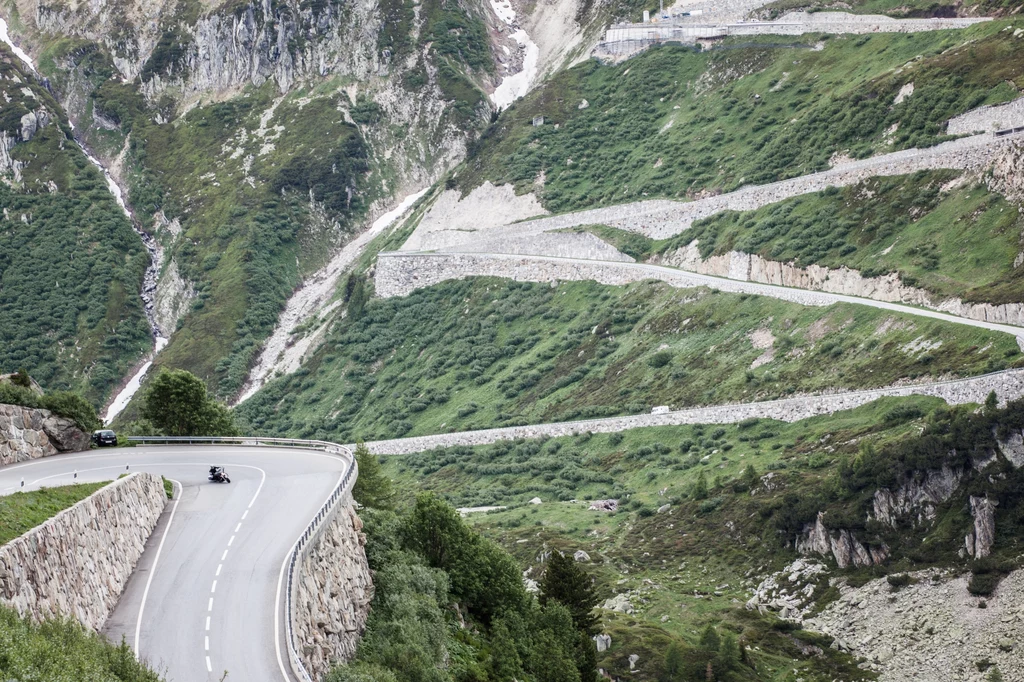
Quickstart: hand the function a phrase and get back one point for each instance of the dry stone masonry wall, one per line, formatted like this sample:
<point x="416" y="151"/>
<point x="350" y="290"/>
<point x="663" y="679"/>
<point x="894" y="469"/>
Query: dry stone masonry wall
<point x="1008" y="385"/>
<point x="27" y="433"/>
<point x="624" y="40"/>
<point x="398" y="274"/>
<point x="988" y="119"/>
<point x="844" y="281"/>
<point x="77" y="563"/>
<point x="333" y="593"/>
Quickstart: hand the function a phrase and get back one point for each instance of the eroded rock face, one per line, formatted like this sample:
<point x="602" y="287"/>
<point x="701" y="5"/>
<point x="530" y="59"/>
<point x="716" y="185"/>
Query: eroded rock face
<point x="334" y="593"/>
<point x="916" y="498"/>
<point x="27" y="433"/>
<point x="842" y="545"/>
<point x="77" y="563"/>
<point x="979" y="542"/>
<point x="1013" y="448"/>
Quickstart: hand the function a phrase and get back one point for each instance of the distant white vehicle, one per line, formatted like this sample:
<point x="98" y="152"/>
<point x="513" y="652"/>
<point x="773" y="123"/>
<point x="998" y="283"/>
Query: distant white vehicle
<point x="660" y="409"/>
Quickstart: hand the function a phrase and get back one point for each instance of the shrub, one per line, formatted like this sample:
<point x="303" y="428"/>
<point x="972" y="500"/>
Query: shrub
<point x="898" y="581"/>
<point x="659" y="359"/>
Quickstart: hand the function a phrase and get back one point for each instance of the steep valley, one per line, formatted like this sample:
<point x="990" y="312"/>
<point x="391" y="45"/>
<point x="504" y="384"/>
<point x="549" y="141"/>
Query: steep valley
<point x="408" y="218"/>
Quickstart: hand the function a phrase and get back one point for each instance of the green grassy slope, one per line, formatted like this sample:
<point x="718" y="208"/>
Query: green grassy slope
<point x="691" y="564"/>
<point x="70" y="265"/>
<point x="484" y="352"/>
<point x="674" y="123"/>
<point x="960" y="242"/>
<point x="265" y="185"/>
<point x="22" y="512"/>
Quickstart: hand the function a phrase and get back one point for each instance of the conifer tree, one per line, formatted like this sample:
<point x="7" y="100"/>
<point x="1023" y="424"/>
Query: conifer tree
<point x="709" y="639"/>
<point x="566" y="582"/>
<point x="372" y="488"/>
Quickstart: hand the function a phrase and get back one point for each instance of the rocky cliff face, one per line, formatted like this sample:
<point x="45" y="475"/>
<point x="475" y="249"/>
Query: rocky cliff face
<point x="980" y="540"/>
<point x="27" y="433"/>
<point x="842" y="545"/>
<point x="915" y="503"/>
<point x="916" y="499"/>
<point x="334" y="593"/>
<point x="77" y="563"/>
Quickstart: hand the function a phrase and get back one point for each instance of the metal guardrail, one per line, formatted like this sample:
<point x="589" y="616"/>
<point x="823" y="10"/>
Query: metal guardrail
<point x="324" y="514"/>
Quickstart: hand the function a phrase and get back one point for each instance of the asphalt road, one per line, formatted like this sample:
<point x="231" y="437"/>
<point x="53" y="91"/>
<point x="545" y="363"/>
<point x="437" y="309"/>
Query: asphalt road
<point x="207" y="596"/>
<point x="689" y="278"/>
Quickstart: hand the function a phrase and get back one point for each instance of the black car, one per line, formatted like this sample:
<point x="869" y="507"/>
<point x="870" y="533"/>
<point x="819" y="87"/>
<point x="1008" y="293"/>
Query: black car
<point x="104" y="437"/>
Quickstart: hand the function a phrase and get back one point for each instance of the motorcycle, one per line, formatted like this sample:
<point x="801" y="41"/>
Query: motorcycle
<point x="219" y="475"/>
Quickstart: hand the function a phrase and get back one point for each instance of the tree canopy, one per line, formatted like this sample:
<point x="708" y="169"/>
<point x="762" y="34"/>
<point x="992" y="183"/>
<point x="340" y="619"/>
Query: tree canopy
<point x="177" y="404"/>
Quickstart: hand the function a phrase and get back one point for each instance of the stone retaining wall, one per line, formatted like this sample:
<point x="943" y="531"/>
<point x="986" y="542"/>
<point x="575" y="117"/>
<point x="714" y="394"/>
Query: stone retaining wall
<point x="399" y="273"/>
<point x="77" y="563"/>
<point x="333" y="593"/>
<point x="753" y="268"/>
<point x="1008" y="385"/>
<point x="988" y="119"/>
<point x="27" y="433"/>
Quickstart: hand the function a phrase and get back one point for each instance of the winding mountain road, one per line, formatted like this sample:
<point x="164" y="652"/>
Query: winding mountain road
<point x="207" y="596"/>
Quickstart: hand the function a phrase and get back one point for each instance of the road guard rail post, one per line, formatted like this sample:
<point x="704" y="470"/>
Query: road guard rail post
<point x="313" y="528"/>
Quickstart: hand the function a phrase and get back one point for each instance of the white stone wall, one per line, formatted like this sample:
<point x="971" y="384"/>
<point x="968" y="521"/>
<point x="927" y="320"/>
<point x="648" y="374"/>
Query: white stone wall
<point x="398" y="274"/>
<point x="988" y="119"/>
<point x="77" y="563"/>
<point x="333" y="593"/>
<point x="844" y="281"/>
<point x="1008" y="385"/>
<point x="27" y="433"/>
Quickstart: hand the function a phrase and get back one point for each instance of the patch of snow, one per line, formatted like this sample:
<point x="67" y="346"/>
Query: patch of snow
<point x="518" y="84"/>
<point x="503" y="9"/>
<point x="463" y="511"/>
<point x="133" y="385"/>
<point x="515" y="86"/>
<point x="18" y="52"/>
<point x="315" y="294"/>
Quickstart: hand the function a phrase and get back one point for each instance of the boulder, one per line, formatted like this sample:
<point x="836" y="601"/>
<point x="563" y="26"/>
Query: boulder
<point x="603" y="642"/>
<point x="65" y="434"/>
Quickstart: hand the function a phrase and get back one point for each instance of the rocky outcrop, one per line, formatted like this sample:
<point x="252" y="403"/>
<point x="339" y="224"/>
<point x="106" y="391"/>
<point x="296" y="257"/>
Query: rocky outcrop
<point x="979" y="541"/>
<point x="27" y="433"/>
<point x="1012" y="448"/>
<point x="842" y="545"/>
<point x="333" y="593"/>
<point x="77" y="563"/>
<point x="931" y="629"/>
<point x="917" y="498"/>
<point x="789" y="592"/>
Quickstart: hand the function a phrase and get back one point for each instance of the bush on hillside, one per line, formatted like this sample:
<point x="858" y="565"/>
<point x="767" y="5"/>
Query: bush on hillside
<point x="63" y="650"/>
<point x="176" y="404"/>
